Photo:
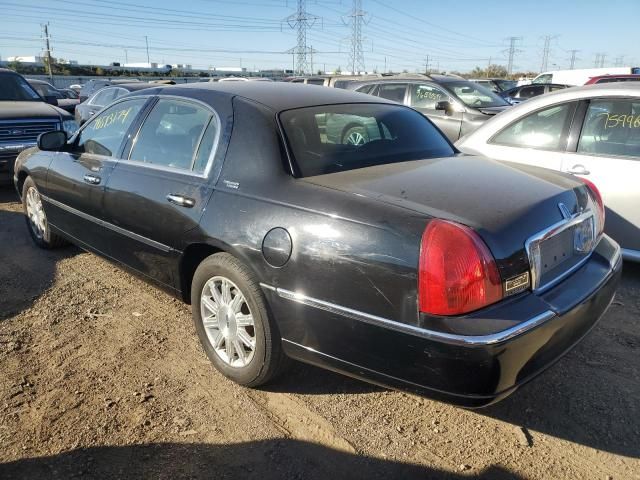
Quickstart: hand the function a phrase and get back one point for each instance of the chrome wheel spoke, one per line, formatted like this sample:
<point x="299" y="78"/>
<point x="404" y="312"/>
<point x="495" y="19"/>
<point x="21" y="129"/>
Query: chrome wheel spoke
<point x="210" y="305"/>
<point x="242" y="357"/>
<point x="226" y="292"/>
<point x="215" y="293"/>
<point x="236" y="303"/>
<point x="246" y="339"/>
<point x="244" y="320"/>
<point x="217" y="340"/>
<point x="229" y="350"/>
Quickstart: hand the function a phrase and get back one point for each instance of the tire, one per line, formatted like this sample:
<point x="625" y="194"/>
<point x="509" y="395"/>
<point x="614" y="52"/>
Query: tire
<point x="356" y="135"/>
<point x="227" y="336"/>
<point x="36" y="218"/>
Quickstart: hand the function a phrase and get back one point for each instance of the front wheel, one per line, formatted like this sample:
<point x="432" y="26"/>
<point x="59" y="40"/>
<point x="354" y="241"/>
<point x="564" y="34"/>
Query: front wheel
<point x="356" y="135"/>
<point x="232" y="321"/>
<point x="37" y="219"/>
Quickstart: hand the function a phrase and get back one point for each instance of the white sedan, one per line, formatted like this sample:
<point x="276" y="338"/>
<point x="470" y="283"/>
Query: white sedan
<point x="591" y="131"/>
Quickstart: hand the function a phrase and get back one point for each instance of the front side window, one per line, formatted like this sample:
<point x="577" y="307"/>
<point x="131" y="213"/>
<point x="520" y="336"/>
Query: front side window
<point x="334" y="138"/>
<point x="176" y="134"/>
<point x="530" y="92"/>
<point x="46" y="90"/>
<point x="426" y="96"/>
<point x="611" y="127"/>
<point x="393" y="91"/>
<point x="543" y="129"/>
<point x="474" y="95"/>
<point x="104" y="134"/>
<point x="544" y="78"/>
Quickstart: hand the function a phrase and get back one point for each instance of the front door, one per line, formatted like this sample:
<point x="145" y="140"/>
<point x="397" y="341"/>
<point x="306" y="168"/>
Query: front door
<point x="77" y="177"/>
<point x="608" y="154"/>
<point x="425" y="97"/>
<point x="159" y="191"/>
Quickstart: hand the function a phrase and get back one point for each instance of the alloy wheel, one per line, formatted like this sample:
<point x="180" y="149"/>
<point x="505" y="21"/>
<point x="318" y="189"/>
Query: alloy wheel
<point x="35" y="212"/>
<point x="228" y="321"/>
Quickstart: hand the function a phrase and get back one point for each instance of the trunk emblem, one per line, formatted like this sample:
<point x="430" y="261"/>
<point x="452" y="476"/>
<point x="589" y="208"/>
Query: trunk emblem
<point x="517" y="284"/>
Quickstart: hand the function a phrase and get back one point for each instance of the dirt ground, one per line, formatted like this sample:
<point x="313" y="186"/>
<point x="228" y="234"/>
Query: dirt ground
<point x="102" y="376"/>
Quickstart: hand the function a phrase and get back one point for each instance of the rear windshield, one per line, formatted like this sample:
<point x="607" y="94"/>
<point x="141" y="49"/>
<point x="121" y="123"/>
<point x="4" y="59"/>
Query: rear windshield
<point x="16" y="89"/>
<point x="335" y="138"/>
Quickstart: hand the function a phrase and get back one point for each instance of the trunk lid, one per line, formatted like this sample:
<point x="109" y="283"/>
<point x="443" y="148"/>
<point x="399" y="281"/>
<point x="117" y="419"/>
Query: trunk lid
<point x="506" y="203"/>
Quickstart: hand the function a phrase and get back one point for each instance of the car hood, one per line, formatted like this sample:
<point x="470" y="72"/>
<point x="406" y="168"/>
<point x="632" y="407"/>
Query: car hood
<point x="39" y="110"/>
<point x="505" y="203"/>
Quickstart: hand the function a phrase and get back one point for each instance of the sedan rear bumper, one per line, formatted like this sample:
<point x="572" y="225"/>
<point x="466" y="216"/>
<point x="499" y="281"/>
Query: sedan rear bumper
<point x="469" y="370"/>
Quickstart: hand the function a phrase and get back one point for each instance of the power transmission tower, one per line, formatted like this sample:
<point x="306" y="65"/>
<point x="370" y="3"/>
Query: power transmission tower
<point x="356" y="19"/>
<point x="620" y="61"/>
<point x="546" y="51"/>
<point x="602" y="58"/>
<point x="301" y="20"/>
<point x="45" y="30"/>
<point x="596" y="64"/>
<point x="572" y="60"/>
<point x="426" y="65"/>
<point x="512" y="50"/>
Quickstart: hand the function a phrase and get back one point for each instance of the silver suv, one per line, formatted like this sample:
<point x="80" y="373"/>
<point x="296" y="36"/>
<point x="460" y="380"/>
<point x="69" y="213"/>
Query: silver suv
<point x="455" y="105"/>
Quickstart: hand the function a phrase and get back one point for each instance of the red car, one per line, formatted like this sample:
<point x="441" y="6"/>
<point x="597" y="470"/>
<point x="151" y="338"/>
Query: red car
<point x="613" y="78"/>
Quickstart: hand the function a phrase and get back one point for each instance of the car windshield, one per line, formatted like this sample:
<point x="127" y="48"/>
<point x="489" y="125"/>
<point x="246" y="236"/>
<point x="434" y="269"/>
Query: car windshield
<point x="506" y="84"/>
<point x="46" y="90"/>
<point x="334" y="138"/>
<point x="14" y="88"/>
<point x="474" y="95"/>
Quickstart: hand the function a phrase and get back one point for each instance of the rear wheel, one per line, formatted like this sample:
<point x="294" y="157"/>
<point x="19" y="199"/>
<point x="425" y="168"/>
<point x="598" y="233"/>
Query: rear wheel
<point x="37" y="219"/>
<point x="356" y="135"/>
<point x="232" y="321"/>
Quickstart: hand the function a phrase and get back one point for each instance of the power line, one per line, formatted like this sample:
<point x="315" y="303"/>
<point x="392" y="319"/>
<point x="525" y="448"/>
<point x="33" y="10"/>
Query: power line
<point x="356" y="19"/>
<point x="512" y="50"/>
<point x="301" y="20"/>
<point x="572" y="61"/>
<point x="546" y="51"/>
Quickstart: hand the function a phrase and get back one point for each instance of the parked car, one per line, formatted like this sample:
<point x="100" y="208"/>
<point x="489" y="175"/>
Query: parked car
<point x="69" y="93"/>
<point x="496" y="85"/>
<point x="612" y="78"/>
<point x="336" y="81"/>
<point x="580" y="76"/>
<point x="96" y="84"/>
<point x="520" y="94"/>
<point x="242" y="79"/>
<point x="52" y="95"/>
<point x="105" y="96"/>
<point x="456" y="106"/>
<point x="23" y="116"/>
<point x="592" y="132"/>
<point x="397" y="261"/>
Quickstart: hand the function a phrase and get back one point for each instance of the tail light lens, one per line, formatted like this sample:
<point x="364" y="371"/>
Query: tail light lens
<point x="597" y="198"/>
<point x="457" y="273"/>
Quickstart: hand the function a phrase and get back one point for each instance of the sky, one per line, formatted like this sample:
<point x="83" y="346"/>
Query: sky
<point x="400" y="34"/>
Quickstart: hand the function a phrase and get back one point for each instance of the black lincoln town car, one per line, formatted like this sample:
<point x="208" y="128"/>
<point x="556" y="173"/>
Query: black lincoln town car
<point x="396" y="260"/>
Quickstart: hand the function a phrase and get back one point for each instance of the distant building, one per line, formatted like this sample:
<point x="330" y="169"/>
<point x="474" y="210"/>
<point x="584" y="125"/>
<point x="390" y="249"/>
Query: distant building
<point x="182" y="66"/>
<point x="141" y="65"/>
<point x="26" y="59"/>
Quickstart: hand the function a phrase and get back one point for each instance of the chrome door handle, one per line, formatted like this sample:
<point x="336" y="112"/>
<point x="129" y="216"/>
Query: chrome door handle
<point x="578" y="170"/>
<point x="181" y="200"/>
<point x="92" y="179"/>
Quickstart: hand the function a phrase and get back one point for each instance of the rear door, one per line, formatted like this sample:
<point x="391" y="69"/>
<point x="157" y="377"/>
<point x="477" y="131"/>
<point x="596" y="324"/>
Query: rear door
<point x="76" y="179"/>
<point x="160" y="188"/>
<point x="608" y="153"/>
<point x="425" y="97"/>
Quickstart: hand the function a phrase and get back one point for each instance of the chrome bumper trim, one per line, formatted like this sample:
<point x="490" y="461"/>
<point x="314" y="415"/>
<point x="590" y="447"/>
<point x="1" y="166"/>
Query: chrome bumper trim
<point x="450" y="338"/>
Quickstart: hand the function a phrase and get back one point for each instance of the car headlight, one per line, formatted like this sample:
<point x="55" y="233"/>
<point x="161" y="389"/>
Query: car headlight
<point x="70" y="127"/>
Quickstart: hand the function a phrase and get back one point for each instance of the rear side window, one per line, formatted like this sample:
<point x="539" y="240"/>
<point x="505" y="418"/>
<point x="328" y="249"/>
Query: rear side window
<point x="103" y="97"/>
<point x="315" y="81"/>
<point x="176" y="134"/>
<point x="336" y="138"/>
<point x="611" y="127"/>
<point x="394" y="91"/>
<point x="366" y="89"/>
<point x="104" y="134"/>
<point x="543" y="129"/>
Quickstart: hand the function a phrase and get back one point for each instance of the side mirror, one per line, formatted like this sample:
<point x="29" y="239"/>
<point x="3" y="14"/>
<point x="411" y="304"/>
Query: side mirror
<point x="52" y="141"/>
<point x="51" y="100"/>
<point x="444" y="105"/>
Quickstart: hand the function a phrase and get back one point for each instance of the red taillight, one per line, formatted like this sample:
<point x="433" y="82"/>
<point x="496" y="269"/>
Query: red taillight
<point x="597" y="196"/>
<point x="457" y="273"/>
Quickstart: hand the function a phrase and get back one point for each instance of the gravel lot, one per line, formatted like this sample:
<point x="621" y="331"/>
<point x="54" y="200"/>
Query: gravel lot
<point x="102" y="376"/>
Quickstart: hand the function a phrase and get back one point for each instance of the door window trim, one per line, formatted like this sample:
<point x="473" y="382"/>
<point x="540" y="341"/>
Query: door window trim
<point x="450" y="98"/>
<point x="125" y="156"/>
<point x="573" y="105"/>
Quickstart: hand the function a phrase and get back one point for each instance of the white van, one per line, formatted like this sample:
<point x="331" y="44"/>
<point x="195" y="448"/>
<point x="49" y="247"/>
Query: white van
<point x="582" y="75"/>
